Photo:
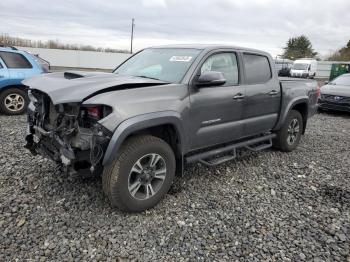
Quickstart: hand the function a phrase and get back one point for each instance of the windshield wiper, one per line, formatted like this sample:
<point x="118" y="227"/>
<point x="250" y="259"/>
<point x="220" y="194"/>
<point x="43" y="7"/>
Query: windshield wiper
<point x="142" y="76"/>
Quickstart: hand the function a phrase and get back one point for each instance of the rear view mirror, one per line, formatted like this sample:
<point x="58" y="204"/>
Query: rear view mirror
<point x="211" y="78"/>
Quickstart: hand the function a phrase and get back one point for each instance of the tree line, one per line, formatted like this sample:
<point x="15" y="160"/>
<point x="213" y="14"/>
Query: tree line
<point x="6" y="40"/>
<point x="300" y="47"/>
<point x="296" y="47"/>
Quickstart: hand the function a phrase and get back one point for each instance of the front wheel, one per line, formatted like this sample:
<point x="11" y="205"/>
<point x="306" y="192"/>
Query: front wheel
<point x="288" y="137"/>
<point x="140" y="175"/>
<point x="13" y="101"/>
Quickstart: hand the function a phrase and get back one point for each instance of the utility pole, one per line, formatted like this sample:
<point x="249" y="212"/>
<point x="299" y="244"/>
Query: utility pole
<point x="132" y="33"/>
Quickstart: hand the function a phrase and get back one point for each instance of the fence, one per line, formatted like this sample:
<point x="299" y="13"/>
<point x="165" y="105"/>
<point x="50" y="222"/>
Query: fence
<point x="78" y="59"/>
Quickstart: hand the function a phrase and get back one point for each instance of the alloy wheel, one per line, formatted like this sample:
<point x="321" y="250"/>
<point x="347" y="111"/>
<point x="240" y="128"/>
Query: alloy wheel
<point x="14" y="102"/>
<point x="147" y="176"/>
<point x="293" y="131"/>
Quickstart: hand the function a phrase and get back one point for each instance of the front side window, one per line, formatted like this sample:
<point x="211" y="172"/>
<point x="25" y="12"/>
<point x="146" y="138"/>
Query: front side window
<point x="166" y="64"/>
<point x="14" y="60"/>
<point x="257" y="69"/>
<point x="225" y="63"/>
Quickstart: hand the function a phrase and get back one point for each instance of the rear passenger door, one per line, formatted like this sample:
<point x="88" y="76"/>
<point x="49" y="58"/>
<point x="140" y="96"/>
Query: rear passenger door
<point x="262" y="101"/>
<point x="17" y="64"/>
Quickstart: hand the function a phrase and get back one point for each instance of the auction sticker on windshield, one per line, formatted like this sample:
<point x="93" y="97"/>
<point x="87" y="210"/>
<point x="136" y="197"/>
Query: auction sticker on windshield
<point x="180" y="58"/>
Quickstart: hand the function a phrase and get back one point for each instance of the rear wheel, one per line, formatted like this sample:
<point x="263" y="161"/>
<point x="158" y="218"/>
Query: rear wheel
<point x="140" y="175"/>
<point x="13" y="101"/>
<point x="288" y="137"/>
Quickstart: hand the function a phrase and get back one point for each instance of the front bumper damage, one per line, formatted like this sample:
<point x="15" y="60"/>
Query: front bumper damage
<point x="64" y="134"/>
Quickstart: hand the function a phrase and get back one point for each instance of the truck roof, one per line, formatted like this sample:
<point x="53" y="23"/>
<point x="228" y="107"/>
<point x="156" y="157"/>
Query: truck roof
<point x="210" y="47"/>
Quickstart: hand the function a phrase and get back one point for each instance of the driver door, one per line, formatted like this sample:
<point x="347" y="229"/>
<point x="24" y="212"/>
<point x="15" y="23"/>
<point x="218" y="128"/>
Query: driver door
<point x="216" y="111"/>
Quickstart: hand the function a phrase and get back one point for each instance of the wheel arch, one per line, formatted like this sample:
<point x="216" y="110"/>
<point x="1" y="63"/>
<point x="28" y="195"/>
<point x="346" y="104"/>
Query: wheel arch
<point x="302" y="108"/>
<point x="298" y="104"/>
<point x="18" y="86"/>
<point x="166" y="125"/>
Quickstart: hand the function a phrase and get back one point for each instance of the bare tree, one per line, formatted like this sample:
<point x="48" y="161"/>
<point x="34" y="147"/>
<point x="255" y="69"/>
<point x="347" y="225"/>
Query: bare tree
<point x="7" y="40"/>
<point x="342" y="54"/>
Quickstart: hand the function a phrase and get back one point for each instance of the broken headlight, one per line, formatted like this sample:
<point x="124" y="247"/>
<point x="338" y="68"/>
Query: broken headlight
<point x="90" y="114"/>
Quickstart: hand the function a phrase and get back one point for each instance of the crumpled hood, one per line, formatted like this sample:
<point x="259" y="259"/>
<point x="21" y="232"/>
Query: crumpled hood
<point x="336" y="90"/>
<point x="77" y="86"/>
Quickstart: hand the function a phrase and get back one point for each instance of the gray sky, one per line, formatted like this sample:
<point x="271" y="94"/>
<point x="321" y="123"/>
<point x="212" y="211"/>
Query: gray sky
<point x="262" y="24"/>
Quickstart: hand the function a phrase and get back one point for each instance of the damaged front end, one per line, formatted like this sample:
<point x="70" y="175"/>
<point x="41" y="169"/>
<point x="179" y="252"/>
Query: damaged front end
<point x="69" y="134"/>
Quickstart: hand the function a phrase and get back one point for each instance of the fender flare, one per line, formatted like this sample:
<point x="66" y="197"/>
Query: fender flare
<point x="13" y="85"/>
<point x="139" y="123"/>
<point x="288" y="108"/>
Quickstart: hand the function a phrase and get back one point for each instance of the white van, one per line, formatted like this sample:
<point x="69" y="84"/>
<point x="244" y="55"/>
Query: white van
<point x="304" y="67"/>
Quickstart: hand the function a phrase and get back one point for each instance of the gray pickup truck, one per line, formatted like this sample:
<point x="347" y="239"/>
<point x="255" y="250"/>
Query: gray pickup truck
<point x="162" y="108"/>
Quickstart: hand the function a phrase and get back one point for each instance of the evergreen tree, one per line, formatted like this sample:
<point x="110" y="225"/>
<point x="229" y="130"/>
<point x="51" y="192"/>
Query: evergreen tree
<point x="299" y="47"/>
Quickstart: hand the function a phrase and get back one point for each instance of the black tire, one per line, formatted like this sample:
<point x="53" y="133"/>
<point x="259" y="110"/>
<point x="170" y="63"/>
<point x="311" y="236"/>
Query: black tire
<point x="116" y="177"/>
<point x="283" y="141"/>
<point x="15" y="109"/>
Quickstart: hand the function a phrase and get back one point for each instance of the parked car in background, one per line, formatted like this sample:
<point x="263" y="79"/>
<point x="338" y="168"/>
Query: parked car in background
<point x="335" y="95"/>
<point x="304" y="68"/>
<point x="15" y="66"/>
<point x="283" y="66"/>
<point x="162" y="108"/>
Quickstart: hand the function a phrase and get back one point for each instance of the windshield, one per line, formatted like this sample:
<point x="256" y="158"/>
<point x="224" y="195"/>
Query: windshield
<point x="165" y="64"/>
<point x="341" y="80"/>
<point x="300" y="66"/>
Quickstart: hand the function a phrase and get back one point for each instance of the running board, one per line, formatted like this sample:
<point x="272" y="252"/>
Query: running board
<point x="218" y="160"/>
<point x="249" y="144"/>
<point x="260" y="147"/>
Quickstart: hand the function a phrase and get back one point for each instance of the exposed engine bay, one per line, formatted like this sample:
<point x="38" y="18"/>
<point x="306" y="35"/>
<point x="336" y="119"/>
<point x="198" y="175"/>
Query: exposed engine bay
<point x="69" y="134"/>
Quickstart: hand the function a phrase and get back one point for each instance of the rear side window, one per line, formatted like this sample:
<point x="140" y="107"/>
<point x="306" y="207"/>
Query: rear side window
<point x="14" y="60"/>
<point x="257" y="69"/>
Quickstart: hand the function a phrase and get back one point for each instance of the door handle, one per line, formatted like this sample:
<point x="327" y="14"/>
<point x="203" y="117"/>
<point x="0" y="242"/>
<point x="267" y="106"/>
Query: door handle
<point x="273" y="93"/>
<point x="238" y="96"/>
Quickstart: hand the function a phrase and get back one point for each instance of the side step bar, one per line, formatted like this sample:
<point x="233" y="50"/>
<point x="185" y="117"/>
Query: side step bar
<point x="249" y="144"/>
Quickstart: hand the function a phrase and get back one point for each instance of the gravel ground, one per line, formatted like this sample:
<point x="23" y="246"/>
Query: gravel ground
<point x="268" y="206"/>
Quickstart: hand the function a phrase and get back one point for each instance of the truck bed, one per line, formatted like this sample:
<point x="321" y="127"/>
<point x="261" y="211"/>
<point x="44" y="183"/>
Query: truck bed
<point x="297" y="89"/>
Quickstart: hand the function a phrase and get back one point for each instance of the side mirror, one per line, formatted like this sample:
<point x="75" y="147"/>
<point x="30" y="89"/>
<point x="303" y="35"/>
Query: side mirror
<point x="211" y="78"/>
<point x="326" y="82"/>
